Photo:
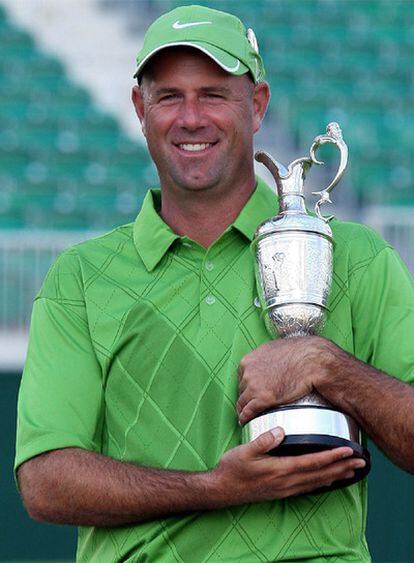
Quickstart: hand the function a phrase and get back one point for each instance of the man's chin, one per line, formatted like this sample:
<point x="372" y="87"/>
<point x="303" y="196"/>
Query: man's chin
<point x="197" y="184"/>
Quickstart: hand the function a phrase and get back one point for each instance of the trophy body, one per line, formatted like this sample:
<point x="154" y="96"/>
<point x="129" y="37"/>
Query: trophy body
<point x="293" y="267"/>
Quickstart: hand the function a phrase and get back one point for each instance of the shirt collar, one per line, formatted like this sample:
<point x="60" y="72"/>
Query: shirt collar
<point x="153" y="237"/>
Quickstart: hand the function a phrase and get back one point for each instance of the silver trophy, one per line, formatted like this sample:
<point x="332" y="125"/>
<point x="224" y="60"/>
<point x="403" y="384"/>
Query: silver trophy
<point x="294" y="275"/>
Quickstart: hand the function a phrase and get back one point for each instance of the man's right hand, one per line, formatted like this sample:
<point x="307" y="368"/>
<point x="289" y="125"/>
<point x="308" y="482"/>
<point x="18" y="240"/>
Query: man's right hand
<point x="247" y="473"/>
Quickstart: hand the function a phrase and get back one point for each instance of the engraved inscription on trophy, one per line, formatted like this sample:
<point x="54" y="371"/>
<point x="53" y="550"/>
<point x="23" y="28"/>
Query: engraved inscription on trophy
<point x="293" y="265"/>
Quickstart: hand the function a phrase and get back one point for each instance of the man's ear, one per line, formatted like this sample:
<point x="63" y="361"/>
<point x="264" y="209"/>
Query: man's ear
<point x="261" y="97"/>
<point x="138" y="102"/>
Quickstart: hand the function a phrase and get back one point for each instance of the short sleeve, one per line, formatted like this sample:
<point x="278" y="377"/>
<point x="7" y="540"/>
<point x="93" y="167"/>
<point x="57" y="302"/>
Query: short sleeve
<point x="383" y="315"/>
<point x="61" y="397"/>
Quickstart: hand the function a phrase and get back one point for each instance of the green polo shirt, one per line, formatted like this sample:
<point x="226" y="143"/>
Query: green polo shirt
<point x="135" y="341"/>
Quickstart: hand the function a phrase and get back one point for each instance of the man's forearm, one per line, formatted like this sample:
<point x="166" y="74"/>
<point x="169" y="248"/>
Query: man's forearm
<point x="76" y="486"/>
<point x="381" y="404"/>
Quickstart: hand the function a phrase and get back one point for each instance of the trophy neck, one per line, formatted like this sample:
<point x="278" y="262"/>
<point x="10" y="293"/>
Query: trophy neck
<point x="290" y="188"/>
<point x="291" y="203"/>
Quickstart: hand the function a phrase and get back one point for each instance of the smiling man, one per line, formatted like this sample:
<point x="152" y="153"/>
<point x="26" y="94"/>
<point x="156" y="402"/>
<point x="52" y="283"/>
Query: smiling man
<point x="130" y="405"/>
<point x="199" y="122"/>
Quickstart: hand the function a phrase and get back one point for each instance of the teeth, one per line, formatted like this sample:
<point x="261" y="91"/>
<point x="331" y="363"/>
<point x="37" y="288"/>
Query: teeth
<point x="194" y="147"/>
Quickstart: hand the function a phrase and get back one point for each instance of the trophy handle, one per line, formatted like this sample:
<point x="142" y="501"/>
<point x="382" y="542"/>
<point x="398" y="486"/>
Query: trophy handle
<point x="286" y="181"/>
<point x="273" y="166"/>
<point x="333" y="135"/>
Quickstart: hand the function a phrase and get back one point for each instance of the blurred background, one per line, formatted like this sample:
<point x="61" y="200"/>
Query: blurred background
<point x="74" y="164"/>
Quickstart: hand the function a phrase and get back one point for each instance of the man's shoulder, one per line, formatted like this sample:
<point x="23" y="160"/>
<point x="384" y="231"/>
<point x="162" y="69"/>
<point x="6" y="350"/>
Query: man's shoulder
<point x="98" y="246"/>
<point x="76" y="264"/>
<point x="108" y="241"/>
<point x="357" y="240"/>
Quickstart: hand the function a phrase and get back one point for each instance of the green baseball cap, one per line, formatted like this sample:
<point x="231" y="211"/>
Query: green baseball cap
<point x="219" y="35"/>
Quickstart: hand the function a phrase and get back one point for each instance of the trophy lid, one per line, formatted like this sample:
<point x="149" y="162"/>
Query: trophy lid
<point x="293" y="215"/>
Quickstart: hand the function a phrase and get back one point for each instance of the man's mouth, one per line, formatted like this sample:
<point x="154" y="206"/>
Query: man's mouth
<point x="194" y="147"/>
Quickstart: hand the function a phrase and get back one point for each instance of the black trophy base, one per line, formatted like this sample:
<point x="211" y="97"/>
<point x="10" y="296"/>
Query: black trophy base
<point x="298" y="444"/>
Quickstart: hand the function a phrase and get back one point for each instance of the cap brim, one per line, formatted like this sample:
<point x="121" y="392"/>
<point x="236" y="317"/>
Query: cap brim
<point x="226" y="61"/>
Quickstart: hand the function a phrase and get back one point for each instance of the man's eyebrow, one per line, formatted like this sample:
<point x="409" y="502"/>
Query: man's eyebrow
<point x="218" y="89"/>
<point x="173" y="90"/>
<point x="166" y="90"/>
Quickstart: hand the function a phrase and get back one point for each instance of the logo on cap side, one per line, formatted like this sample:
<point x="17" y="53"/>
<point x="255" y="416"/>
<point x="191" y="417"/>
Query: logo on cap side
<point x="178" y="25"/>
<point x="251" y="38"/>
<point x="230" y="69"/>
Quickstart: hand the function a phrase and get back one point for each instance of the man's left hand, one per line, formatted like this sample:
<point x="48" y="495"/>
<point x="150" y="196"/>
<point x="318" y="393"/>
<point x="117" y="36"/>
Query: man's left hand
<point x="280" y="372"/>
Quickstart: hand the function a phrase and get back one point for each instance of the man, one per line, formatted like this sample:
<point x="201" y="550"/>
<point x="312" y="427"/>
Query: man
<point x="130" y="404"/>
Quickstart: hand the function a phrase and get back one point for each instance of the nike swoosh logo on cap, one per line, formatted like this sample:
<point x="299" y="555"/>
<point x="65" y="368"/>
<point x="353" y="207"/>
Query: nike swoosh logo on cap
<point x="178" y="25"/>
<point x="230" y="69"/>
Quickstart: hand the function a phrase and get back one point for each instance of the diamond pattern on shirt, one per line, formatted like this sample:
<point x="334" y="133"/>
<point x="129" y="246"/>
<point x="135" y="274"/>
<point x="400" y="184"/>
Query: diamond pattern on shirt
<point x="167" y="363"/>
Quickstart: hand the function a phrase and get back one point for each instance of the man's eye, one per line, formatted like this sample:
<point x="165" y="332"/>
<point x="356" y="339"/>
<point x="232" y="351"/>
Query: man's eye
<point x="168" y="98"/>
<point x="213" y="98"/>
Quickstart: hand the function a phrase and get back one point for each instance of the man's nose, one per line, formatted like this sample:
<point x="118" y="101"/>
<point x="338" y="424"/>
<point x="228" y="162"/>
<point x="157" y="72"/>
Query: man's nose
<point x="191" y="114"/>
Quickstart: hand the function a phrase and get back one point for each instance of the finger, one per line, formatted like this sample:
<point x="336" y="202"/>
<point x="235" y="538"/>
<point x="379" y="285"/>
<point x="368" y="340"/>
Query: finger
<point x="265" y="442"/>
<point x="339" y="471"/>
<point x="252" y="409"/>
<point x="242" y="384"/>
<point x="242" y="401"/>
<point x="314" y="462"/>
<point x="308" y="482"/>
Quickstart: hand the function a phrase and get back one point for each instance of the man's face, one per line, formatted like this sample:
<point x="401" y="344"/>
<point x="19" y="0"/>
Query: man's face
<point x="198" y="120"/>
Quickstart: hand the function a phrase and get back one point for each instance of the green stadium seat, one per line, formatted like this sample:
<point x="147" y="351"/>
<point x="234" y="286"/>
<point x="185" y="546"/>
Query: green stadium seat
<point x="55" y="143"/>
<point x="325" y="60"/>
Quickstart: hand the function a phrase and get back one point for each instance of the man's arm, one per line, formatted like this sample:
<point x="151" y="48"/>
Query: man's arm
<point x="284" y="370"/>
<point x="76" y="486"/>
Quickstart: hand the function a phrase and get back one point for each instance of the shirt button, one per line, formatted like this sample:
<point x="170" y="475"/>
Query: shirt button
<point x="257" y="302"/>
<point x="210" y="299"/>
<point x="209" y="265"/>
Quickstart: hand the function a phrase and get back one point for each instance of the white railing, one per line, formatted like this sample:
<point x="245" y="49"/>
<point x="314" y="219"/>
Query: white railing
<point x="396" y="225"/>
<point x="26" y="256"/>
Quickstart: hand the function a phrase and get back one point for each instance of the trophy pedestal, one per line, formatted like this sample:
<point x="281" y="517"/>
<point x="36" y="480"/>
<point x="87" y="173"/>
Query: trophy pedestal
<point x="310" y="429"/>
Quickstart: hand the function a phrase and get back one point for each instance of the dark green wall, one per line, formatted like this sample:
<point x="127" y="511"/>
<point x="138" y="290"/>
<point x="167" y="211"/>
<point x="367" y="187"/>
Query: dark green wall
<point x="390" y="511"/>
<point x="390" y="516"/>
<point x="22" y="538"/>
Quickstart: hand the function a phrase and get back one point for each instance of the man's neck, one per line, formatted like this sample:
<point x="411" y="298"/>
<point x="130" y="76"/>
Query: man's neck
<point x="203" y="217"/>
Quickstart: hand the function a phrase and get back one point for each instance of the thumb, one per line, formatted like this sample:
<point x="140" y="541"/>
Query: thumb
<point x="266" y="441"/>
